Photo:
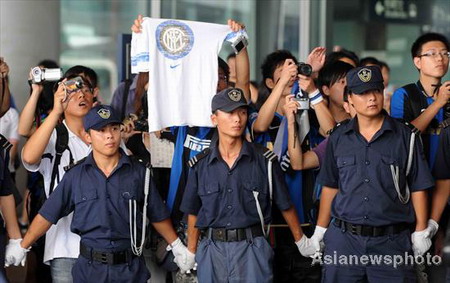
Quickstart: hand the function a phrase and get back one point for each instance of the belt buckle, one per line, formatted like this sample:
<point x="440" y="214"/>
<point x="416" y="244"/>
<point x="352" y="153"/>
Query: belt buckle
<point x="104" y="258"/>
<point x="232" y="235"/>
<point x="220" y="235"/>
<point x="353" y="229"/>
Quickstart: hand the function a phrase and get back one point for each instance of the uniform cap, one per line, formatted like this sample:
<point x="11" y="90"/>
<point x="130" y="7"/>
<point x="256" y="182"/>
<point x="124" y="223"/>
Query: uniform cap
<point x="228" y="100"/>
<point x="99" y="117"/>
<point x="362" y="79"/>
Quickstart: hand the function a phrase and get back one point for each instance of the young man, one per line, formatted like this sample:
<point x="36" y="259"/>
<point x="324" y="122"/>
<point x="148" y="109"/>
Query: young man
<point x="39" y="154"/>
<point x="269" y="128"/>
<point x="228" y="199"/>
<point x="104" y="191"/>
<point x="375" y="180"/>
<point x="425" y="103"/>
<point x="331" y="82"/>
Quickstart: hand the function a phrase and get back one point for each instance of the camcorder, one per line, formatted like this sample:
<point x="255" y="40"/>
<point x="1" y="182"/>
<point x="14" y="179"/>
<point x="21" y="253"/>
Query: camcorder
<point x="304" y="69"/>
<point x="41" y="75"/>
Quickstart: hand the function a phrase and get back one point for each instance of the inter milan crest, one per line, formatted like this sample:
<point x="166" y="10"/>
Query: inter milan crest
<point x="235" y="95"/>
<point x="174" y="39"/>
<point x="365" y="75"/>
<point x="104" y="113"/>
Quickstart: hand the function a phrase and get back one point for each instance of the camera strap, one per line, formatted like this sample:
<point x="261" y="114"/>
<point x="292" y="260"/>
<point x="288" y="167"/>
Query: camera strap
<point x="302" y="120"/>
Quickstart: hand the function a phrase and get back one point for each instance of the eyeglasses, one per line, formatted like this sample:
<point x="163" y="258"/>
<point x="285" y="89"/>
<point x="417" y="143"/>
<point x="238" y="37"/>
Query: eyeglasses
<point x="434" y="54"/>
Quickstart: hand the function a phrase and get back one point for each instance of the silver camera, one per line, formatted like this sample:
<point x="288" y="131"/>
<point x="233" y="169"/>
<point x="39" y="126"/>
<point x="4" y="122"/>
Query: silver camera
<point x="40" y="75"/>
<point x="303" y="103"/>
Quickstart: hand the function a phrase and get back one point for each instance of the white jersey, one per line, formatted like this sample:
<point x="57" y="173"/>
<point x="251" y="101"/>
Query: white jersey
<point x="59" y="240"/>
<point x="181" y="58"/>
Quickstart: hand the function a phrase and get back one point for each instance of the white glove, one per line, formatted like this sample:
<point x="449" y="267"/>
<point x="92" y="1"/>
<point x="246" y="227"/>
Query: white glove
<point x="317" y="238"/>
<point x="305" y="247"/>
<point x="183" y="257"/>
<point x="432" y="228"/>
<point x="421" y="242"/>
<point x="15" y="254"/>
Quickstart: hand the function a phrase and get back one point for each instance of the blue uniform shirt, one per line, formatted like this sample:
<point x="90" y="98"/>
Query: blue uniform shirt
<point x="223" y="198"/>
<point x="100" y="204"/>
<point x="442" y="168"/>
<point x="361" y="171"/>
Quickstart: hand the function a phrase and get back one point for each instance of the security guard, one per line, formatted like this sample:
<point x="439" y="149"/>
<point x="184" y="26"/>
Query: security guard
<point x="228" y="199"/>
<point x="375" y="180"/>
<point x="106" y="193"/>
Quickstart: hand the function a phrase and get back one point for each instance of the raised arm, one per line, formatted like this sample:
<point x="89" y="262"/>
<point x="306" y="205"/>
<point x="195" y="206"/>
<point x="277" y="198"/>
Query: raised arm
<point x="26" y="119"/>
<point x="4" y="88"/>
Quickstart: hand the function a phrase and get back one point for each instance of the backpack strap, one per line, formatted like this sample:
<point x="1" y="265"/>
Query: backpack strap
<point x="62" y="143"/>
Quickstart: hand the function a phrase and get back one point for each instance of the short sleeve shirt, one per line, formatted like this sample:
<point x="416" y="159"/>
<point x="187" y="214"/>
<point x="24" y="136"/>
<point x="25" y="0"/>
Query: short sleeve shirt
<point x="362" y="172"/>
<point x="224" y="197"/>
<point x="101" y="204"/>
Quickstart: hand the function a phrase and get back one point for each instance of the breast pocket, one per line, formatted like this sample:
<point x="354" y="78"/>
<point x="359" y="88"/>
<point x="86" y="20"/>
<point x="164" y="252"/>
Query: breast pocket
<point x="253" y="192"/>
<point x="210" y="196"/>
<point x="130" y="198"/>
<point x="346" y="167"/>
<point x="86" y="208"/>
<point x="388" y="168"/>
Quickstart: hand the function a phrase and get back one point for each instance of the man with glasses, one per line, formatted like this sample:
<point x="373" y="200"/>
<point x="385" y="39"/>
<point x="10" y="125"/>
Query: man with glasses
<point x="40" y="152"/>
<point x="425" y="103"/>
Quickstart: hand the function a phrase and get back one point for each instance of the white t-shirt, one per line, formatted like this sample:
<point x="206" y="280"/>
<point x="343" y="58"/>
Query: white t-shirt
<point x="59" y="240"/>
<point x="8" y="128"/>
<point x="181" y="57"/>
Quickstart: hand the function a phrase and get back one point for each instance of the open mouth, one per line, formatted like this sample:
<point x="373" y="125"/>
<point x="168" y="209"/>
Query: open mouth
<point x="82" y="104"/>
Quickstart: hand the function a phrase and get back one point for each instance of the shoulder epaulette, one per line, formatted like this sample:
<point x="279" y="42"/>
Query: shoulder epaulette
<point x="71" y="165"/>
<point x="412" y="128"/>
<point x="141" y="161"/>
<point x="445" y="123"/>
<point x="191" y="162"/>
<point x="337" y="126"/>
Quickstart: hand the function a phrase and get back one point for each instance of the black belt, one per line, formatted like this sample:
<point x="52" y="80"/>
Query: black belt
<point x="110" y="258"/>
<point x="232" y="235"/>
<point x="371" y="231"/>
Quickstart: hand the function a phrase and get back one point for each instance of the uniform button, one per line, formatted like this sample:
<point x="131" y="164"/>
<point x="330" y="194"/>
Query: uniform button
<point x="230" y="190"/>
<point x="366" y="199"/>
<point x="366" y="217"/>
<point x="230" y="173"/>
<point x="229" y="207"/>
<point x="368" y="145"/>
<point x="113" y="243"/>
<point x="366" y="180"/>
<point x="84" y="198"/>
<point x="367" y="162"/>
<point x="208" y="192"/>
<point x="345" y="162"/>
<point x="228" y="224"/>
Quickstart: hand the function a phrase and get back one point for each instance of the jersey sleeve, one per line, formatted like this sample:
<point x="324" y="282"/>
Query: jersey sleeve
<point x="397" y="103"/>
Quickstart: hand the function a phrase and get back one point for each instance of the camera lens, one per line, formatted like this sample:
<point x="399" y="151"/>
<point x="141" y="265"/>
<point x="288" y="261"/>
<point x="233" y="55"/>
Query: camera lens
<point x="304" y="69"/>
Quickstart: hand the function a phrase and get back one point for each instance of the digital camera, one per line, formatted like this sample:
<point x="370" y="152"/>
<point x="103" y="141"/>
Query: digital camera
<point x="303" y="103"/>
<point x="40" y="75"/>
<point x="74" y="84"/>
<point x="304" y="69"/>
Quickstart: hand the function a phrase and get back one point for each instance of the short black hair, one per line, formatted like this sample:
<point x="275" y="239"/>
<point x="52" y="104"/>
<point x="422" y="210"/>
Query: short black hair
<point x="88" y="72"/>
<point x="416" y="48"/>
<point x="369" y="61"/>
<point x="272" y="61"/>
<point x="224" y="66"/>
<point x="49" y="64"/>
<point x="332" y="72"/>
<point x="347" y="92"/>
<point x="343" y="53"/>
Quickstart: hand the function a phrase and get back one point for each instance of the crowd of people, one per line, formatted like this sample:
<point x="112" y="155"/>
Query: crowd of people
<point x="322" y="159"/>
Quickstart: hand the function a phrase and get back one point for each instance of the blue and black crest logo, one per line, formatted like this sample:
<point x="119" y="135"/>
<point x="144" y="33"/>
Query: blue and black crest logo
<point x="174" y="39"/>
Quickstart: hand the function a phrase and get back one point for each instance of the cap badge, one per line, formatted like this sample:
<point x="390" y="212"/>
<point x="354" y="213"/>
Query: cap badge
<point x="235" y="95"/>
<point x="365" y="75"/>
<point x="104" y="113"/>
